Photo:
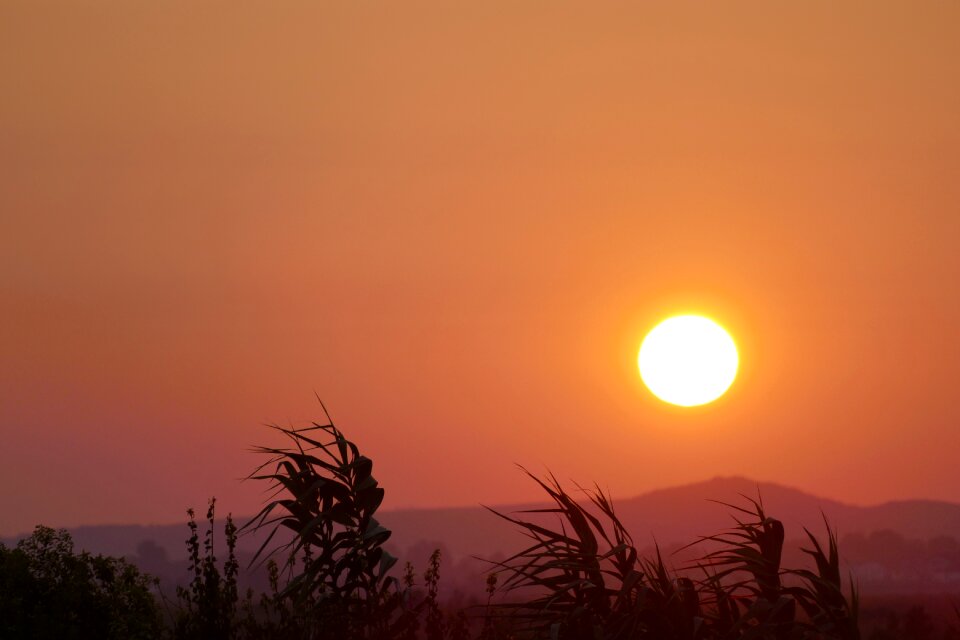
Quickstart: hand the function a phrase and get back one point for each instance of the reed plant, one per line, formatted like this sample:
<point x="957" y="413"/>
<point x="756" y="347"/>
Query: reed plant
<point x="579" y="578"/>
<point x="583" y="579"/>
<point x="321" y="522"/>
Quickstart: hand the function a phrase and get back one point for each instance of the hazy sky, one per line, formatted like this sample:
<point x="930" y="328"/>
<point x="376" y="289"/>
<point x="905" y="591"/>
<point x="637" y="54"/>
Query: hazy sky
<point x="454" y="222"/>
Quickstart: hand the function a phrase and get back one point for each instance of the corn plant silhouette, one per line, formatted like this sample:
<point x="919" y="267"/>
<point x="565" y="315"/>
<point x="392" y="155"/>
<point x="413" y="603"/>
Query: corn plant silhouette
<point x="336" y="567"/>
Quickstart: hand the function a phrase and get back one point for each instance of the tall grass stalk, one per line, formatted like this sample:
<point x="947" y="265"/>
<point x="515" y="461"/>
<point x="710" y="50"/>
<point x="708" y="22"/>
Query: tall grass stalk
<point x="583" y="579"/>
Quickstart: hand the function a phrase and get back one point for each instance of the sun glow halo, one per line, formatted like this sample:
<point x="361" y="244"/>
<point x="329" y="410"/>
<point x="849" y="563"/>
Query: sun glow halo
<point x="688" y="360"/>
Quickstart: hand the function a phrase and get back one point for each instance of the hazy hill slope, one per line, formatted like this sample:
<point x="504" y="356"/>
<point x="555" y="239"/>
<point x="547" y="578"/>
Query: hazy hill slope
<point x="677" y="514"/>
<point x="680" y="514"/>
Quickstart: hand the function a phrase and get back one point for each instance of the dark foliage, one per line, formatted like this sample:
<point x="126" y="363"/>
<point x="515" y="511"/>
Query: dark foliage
<point x="47" y="591"/>
<point x="580" y="578"/>
<point x="584" y="579"/>
<point x="208" y="607"/>
<point x="336" y="570"/>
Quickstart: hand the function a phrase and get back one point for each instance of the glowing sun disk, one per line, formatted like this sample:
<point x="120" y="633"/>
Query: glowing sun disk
<point x="688" y="360"/>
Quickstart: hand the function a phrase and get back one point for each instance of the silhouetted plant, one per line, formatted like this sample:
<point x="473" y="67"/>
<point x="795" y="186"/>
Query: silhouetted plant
<point x="334" y="562"/>
<point x="580" y="580"/>
<point x="47" y="591"/>
<point x="431" y="578"/>
<point x="746" y="584"/>
<point x="584" y="579"/>
<point x="754" y="596"/>
<point x="208" y="607"/>
<point x="489" y="630"/>
<point x="409" y="617"/>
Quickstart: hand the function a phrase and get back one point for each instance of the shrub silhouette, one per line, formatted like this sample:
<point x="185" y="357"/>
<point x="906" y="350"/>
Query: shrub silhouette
<point x="47" y="591"/>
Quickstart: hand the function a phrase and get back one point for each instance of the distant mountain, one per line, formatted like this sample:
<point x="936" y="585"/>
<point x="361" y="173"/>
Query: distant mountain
<point x="667" y="516"/>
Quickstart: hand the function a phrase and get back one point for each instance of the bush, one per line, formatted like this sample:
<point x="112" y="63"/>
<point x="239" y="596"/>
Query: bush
<point x="49" y="592"/>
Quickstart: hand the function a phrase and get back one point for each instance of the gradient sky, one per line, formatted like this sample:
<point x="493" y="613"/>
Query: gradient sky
<point x="454" y="222"/>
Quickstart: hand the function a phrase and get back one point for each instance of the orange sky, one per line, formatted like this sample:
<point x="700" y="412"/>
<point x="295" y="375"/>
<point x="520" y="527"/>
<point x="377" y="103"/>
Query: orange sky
<point x="455" y="221"/>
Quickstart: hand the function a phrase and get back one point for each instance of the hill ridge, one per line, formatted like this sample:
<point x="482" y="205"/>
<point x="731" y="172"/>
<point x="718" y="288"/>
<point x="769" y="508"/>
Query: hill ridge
<point x="668" y="515"/>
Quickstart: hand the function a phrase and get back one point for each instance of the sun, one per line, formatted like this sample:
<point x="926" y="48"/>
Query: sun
<point x="688" y="360"/>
